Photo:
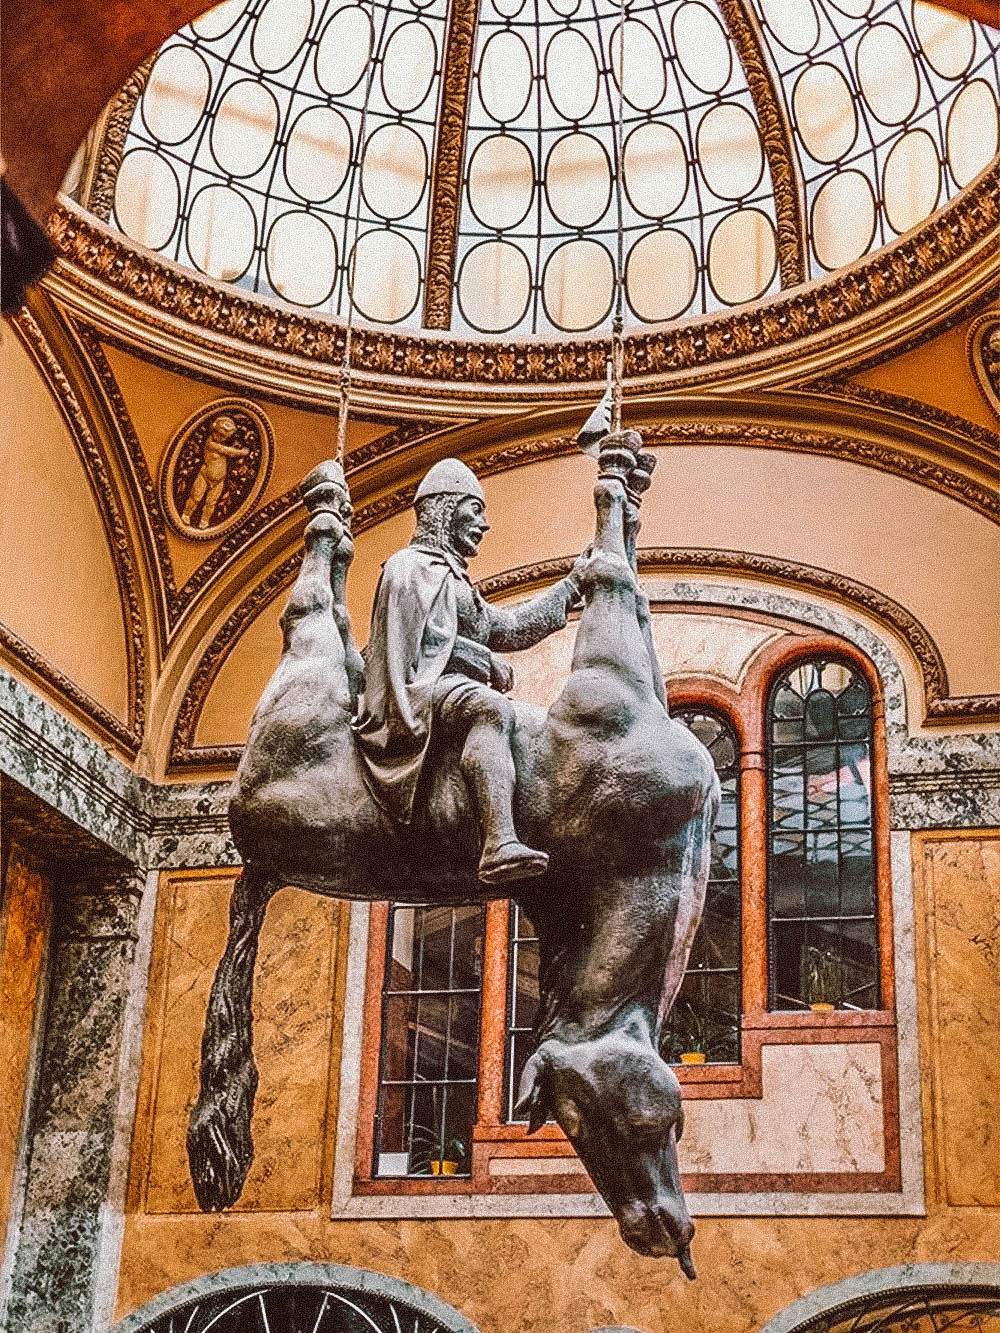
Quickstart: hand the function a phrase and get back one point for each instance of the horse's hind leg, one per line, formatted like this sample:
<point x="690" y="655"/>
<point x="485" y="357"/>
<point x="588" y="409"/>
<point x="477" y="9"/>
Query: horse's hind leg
<point x="220" y="1148"/>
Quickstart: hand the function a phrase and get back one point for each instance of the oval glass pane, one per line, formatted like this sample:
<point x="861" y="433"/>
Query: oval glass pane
<point x="217" y="22"/>
<point x="394" y="171"/>
<point x="279" y="32"/>
<point x="843" y="219"/>
<point x="504" y="76"/>
<point x="318" y="153"/>
<point x="730" y="151"/>
<point x="947" y="40"/>
<point x="147" y="198"/>
<point x="854" y="9"/>
<point x="578" y="180"/>
<point x="386" y="276"/>
<point x="793" y="22"/>
<point x="702" y="47"/>
<point x="301" y="258"/>
<point x="565" y="8"/>
<point x="408" y="66"/>
<point x="571" y="74"/>
<point x="656" y="169"/>
<point x="887" y="74"/>
<point x="244" y="128"/>
<point x="344" y="50"/>
<point x="825" y="114"/>
<point x="176" y="94"/>
<point x="221" y="233"/>
<point x="578" y="285"/>
<point x="501" y="181"/>
<point x="494" y="285"/>
<point x="660" y="275"/>
<point x="508" y="9"/>
<point x="972" y="131"/>
<point x="645" y="70"/>
<point x="742" y="256"/>
<point x="911" y="180"/>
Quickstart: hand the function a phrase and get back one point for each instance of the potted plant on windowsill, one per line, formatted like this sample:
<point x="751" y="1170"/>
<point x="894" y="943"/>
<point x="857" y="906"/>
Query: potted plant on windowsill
<point x="693" y="1037"/>
<point x="821" y="977"/>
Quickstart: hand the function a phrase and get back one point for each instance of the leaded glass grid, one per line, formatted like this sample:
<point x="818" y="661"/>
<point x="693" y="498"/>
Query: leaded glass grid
<point x="242" y="159"/>
<point x="522" y="1003"/>
<point x="429" y="1060"/>
<point x="944" y="1310"/>
<point x="705" y="1018"/>
<point x="822" y="945"/>
<point x="537" y="242"/>
<point x="894" y="109"/>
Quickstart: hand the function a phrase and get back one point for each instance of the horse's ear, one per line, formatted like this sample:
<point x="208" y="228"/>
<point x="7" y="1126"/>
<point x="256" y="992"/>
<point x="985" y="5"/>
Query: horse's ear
<point x="532" y="1097"/>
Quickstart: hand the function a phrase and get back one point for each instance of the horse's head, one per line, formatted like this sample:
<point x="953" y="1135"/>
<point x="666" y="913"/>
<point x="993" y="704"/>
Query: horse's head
<point x="620" y="1105"/>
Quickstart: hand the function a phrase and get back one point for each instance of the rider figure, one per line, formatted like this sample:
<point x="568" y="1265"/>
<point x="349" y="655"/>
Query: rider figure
<point x="429" y="667"/>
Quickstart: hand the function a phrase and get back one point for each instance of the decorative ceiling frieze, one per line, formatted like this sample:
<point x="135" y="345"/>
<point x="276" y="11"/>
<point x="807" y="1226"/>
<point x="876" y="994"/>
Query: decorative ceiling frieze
<point x="109" y="144"/>
<point x="776" y="134"/>
<point x="907" y="290"/>
<point x="449" y="163"/>
<point x="983" y="349"/>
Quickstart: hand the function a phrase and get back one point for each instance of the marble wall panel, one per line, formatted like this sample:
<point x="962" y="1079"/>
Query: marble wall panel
<point x="293" y="1035"/>
<point x="961" y="879"/>
<point x="821" y="1111"/>
<point x="23" y="930"/>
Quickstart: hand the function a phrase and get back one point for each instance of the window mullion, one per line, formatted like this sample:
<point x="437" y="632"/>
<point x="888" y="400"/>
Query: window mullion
<point x="493" y="1022"/>
<point x="753" y="864"/>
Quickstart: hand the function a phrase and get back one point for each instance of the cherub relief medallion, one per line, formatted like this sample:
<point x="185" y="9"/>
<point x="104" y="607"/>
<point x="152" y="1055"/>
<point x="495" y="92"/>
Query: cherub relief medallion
<point x="215" y="467"/>
<point x="984" y="354"/>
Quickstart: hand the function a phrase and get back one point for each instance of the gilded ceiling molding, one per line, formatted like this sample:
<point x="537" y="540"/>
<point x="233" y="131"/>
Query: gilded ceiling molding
<point x="449" y="163"/>
<point x="910" y="288"/>
<point x="776" y="133"/>
<point x="983" y="350"/>
<point x="172" y="602"/>
<point x="939" y="706"/>
<point x="850" y="391"/>
<point x="109" y="150"/>
<point x="129" y="734"/>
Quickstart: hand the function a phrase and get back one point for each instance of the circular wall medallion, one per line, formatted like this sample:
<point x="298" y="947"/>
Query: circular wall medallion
<point x="215" y="467"/>
<point x="984" y="355"/>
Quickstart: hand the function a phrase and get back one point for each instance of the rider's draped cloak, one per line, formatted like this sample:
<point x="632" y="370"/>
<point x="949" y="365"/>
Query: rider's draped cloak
<point x="419" y="604"/>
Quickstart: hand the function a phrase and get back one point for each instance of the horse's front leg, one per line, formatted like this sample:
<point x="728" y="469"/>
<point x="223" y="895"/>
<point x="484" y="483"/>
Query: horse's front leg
<point x="219" y="1143"/>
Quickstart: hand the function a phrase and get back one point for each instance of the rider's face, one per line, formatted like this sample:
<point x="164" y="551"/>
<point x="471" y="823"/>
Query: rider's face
<point x="468" y="525"/>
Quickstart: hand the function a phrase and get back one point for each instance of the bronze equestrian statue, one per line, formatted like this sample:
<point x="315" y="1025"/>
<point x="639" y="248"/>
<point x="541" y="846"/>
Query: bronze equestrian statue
<point x="408" y="775"/>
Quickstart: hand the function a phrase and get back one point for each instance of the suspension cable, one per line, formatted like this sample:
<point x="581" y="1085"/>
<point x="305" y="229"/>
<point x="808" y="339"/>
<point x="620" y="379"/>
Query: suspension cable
<point x="350" y="269"/>
<point x="617" y="325"/>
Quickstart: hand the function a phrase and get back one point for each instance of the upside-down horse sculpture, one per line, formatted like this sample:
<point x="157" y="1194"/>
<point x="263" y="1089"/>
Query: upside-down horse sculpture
<point x="407" y="776"/>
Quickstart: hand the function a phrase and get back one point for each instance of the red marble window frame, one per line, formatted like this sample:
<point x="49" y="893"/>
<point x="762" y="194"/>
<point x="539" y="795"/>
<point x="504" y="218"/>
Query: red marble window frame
<point x="493" y="1140"/>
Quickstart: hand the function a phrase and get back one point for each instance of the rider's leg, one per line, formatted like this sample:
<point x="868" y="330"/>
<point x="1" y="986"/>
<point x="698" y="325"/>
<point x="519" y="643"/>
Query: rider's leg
<point x="487" y="719"/>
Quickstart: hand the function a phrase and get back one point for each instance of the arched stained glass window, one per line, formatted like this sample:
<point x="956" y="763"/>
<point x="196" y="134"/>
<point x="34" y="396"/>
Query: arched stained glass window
<point x="823" y="945"/>
<point x="706" y="1016"/>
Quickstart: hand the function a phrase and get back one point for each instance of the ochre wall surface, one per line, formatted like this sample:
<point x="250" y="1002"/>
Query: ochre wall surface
<point x="58" y="589"/>
<point x="933" y="556"/>
<point x="571" y="1274"/>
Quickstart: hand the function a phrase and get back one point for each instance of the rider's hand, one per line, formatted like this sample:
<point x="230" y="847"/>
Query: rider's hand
<point x="501" y="675"/>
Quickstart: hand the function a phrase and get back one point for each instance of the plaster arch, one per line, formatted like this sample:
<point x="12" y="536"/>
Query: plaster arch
<point x="382" y="1293"/>
<point x="807" y="1314"/>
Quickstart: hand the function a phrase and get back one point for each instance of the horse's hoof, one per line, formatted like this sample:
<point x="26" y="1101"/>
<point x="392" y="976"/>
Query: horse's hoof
<point x="512" y="861"/>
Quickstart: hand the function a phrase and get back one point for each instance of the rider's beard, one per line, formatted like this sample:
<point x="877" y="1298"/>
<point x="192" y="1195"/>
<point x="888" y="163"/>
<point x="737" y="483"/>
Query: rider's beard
<point x="434" y="520"/>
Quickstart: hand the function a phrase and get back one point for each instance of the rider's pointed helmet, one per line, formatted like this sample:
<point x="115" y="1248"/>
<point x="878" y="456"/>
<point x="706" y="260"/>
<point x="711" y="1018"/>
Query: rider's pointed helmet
<point x="450" y="477"/>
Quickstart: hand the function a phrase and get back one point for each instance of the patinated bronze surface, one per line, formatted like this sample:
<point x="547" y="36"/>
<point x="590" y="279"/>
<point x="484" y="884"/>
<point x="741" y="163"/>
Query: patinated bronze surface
<point x="595" y="815"/>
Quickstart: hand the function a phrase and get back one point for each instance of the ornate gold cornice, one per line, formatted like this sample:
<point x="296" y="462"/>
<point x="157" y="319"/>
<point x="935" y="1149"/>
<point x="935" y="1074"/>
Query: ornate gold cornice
<point x="109" y="150"/>
<point x="449" y="163"/>
<point x="907" y="290"/>
<point x="776" y="135"/>
<point x="940" y="707"/>
<point x="128" y="735"/>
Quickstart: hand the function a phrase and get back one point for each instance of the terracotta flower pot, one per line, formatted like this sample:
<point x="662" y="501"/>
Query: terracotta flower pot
<point x="443" y="1168"/>
<point x="692" y="1057"/>
<point x="821" y="1007"/>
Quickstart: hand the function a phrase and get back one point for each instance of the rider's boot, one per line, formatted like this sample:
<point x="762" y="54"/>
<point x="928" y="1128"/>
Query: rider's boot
<point x="489" y="769"/>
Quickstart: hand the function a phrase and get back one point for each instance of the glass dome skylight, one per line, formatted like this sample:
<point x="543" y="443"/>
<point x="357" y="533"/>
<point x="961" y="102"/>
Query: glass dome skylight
<point x="243" y="158"/>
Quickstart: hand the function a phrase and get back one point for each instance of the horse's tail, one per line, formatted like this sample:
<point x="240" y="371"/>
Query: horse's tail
<point x="220" y="1148"/>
